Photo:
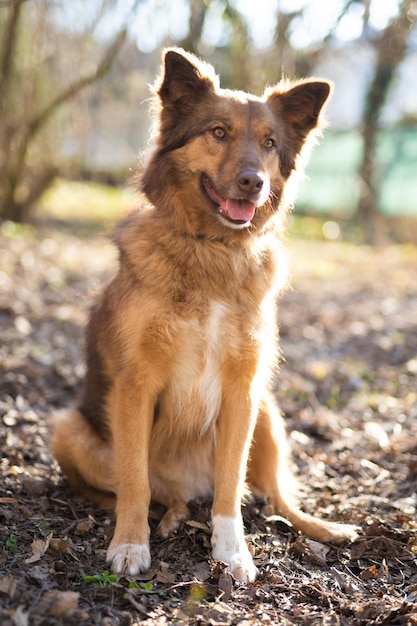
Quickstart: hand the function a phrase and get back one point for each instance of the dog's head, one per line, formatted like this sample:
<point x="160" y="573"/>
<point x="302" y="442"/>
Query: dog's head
<point x="225" y="156"/>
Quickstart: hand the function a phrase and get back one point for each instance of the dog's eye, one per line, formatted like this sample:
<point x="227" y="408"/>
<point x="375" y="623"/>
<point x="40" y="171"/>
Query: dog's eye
<point x="219" y="132"/>
<point x="269" y="144"/>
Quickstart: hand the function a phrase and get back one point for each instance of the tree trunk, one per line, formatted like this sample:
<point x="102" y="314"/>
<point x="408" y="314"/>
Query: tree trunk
<point x="198" y="10"/>
<point x="391" y="48"/>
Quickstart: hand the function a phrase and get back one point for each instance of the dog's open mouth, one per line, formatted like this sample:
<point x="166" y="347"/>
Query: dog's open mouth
<point x="235" y="211"/>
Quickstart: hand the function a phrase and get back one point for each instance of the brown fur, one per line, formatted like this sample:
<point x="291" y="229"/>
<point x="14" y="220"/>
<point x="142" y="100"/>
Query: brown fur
<point x="176" y="403"/>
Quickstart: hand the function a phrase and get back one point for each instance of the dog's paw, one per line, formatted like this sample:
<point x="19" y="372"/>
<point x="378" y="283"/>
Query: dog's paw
<point x="172" y="519"/>
<point x="129" y="558"/>
<point x="240" y="563"/>
<point x="229" y="547"/>
<point x="242" y="567"/>
<point x="332" y="532"/>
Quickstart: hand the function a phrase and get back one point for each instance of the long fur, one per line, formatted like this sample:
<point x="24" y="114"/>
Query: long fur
<point x="181" y="343"/>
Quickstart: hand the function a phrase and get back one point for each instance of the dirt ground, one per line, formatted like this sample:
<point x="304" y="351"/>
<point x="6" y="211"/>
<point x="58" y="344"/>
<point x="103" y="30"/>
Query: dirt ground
<point x="348" y="388"/>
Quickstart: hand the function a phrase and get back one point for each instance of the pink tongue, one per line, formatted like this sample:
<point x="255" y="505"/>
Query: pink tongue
<point x="238" y="210"/>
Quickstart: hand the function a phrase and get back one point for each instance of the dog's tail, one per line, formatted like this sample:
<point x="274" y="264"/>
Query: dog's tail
<point x="270" y="472"/>
<point x="85" y="457"/>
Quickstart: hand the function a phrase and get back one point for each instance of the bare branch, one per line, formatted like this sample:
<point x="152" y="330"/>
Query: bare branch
<point x="39" y="120"/>
<point x="9" y="45"/>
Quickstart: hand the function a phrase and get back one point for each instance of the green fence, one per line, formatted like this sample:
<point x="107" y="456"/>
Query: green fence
<point x="332" y="186"/>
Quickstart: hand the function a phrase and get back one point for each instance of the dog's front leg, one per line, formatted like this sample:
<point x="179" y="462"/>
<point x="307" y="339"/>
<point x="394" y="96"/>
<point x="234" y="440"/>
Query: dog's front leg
<point x="234" y="434"/>
<point x="131" y="413"/>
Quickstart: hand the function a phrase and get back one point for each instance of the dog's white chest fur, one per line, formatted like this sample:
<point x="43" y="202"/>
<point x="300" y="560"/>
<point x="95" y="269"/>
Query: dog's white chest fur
<point x="195" y="388"/>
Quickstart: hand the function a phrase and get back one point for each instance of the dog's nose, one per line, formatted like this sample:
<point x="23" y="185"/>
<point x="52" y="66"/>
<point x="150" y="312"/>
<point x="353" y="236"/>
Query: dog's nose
<point x="250" y="181"/>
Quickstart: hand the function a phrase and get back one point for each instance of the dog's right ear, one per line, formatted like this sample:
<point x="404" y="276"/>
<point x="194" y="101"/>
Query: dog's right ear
<point x="186" y="81"/>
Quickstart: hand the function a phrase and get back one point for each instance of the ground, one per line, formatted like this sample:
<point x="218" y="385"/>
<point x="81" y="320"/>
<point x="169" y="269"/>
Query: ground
<point x="347" y="385"/>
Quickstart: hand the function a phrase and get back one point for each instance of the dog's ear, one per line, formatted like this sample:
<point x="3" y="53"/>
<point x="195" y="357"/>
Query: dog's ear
<point x="302" y="104"/>
<point x="298" y="109"/>
<point x="186" y="81"/>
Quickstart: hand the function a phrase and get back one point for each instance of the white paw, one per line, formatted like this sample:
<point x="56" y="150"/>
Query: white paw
<point x="129" y="558"/>
<point x="229" y="546"/>
<point x="242" y="567"/>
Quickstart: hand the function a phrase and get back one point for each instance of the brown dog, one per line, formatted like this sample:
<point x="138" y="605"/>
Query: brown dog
<point x="176" y="403"/>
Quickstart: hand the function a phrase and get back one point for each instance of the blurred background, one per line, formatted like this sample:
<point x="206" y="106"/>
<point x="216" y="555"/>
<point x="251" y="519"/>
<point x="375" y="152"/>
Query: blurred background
<point x="74" y="99"/>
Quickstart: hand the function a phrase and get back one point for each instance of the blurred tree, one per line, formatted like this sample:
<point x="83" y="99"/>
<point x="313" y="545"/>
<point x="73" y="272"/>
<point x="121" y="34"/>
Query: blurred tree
<point x="198" y="11"/>
<point x="233" y="56"/>
<point x="391" y="46"/>
<point x="285" y="52"/>
<point x="42" y="57"/>
<point x="232" y="52"/>
<point x="29" y="98"/>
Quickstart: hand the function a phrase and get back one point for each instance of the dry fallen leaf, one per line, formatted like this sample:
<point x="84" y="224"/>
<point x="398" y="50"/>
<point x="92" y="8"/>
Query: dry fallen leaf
<point x="202" y="571"/>
<point x="39" y="547"/>
<point x="85" y="526"/>
<point x="344" y="581"/>
<point x="164" y="577"/>
<point x="59" y="545"/>
<point x="8" y="585"/>
<point x="319" y="550"/>
<point x="225" y="586"/>
<point x="311" y="551"/>
<point x="369" y="573"/>
<point x="58" y="603"/>
<point x="197" y="525"/>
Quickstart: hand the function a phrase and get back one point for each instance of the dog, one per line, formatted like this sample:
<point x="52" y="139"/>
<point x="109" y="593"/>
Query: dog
<point x="181" y="344"/>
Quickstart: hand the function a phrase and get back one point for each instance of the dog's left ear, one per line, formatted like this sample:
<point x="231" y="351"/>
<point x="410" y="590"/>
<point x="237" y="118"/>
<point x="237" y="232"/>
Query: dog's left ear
<point x="186" y="81"/>
<point x="301" y="105"/>
<point x="298" y="110"/>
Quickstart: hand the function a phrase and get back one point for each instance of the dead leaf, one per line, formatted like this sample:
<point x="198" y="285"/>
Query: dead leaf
<point x="369" y="573"/>
<point x="39" y="547"/>
<point x="225" y="585"/>
<point x="412" y="544"/>
<point x="164" y="575"/>
<point x="217" y="568"/>
<point x="202" y="571"/>
<point x="58" y="603"/>
<point x="59" y="545"/>
<point x="311" y="551"/>
<point x="343" y="581"/>
<point x="197" y="525"/>
<point x="8" y="585"/>
<point x="85" y="526"/>
<point x="319" y="550"/>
